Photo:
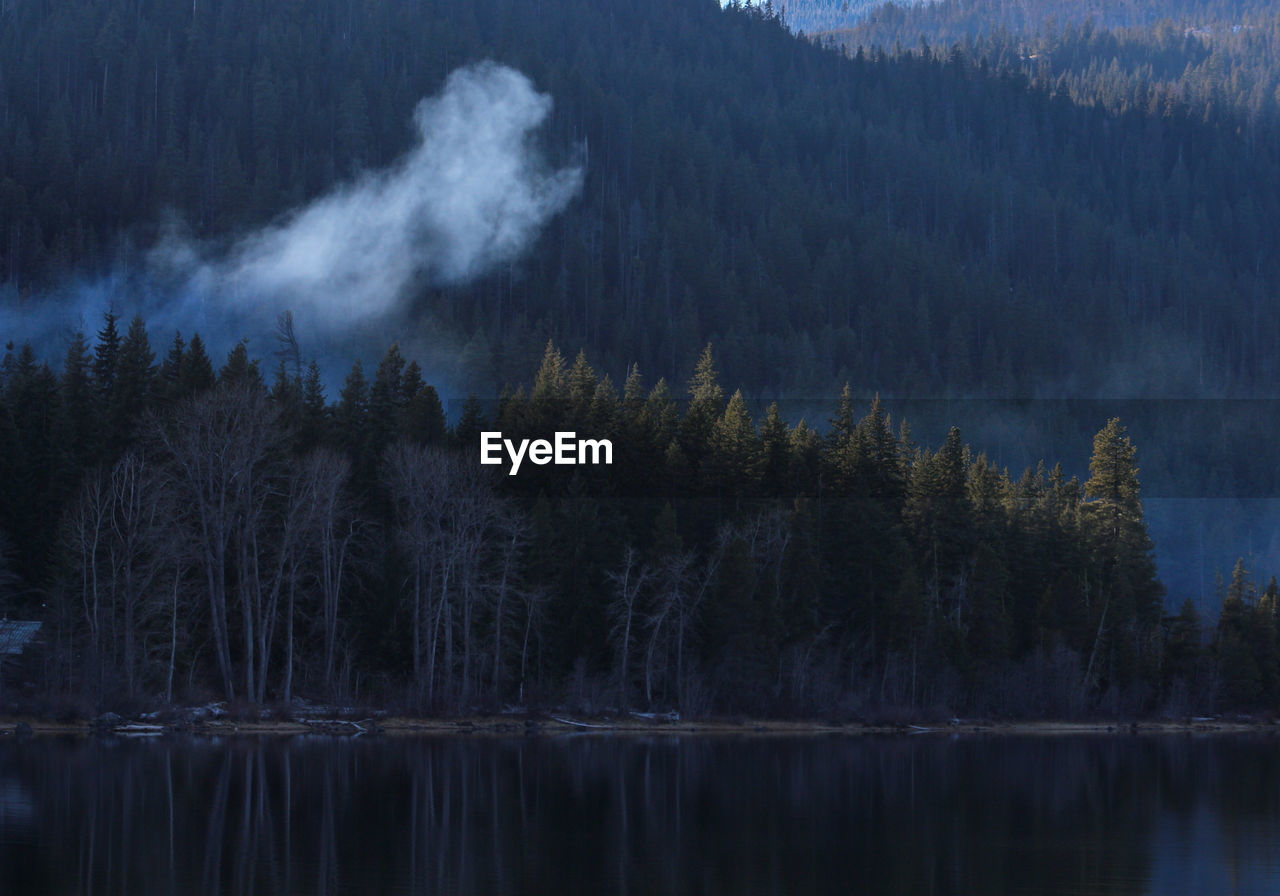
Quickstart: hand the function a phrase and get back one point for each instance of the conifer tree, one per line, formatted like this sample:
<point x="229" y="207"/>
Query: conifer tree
<point x="580" y="384"/>
<point x="734" y="457"/>
<point x="240" y="369"/>
<point x="602" y="415"/>
<point x="472" y="422"/>
<point x="878" y="475"/>
<point x="1118" y="527"/>
<point x="775" y="453"/>
<point x="387" y="399"/>
<point x="286" y="396"/>
<point x="548" y="401"/>
<point x="424" y="417"/>
<point x="196" y="374"/>
<point x="1183" y="648"/>
<point x="170" y="374"/>
<point x="633" y="392"/>
<point x="706" y="404"/>
<point x="1130" y="599"/>
<point x="806" y="459"/>
<point x="660" y="416"/>
<point x="351" y="419"/>
<point x="134" y="385"/>
<point x="105" y="355"/>
<point x="78" y="427"/>
<point x="314" y="423"/>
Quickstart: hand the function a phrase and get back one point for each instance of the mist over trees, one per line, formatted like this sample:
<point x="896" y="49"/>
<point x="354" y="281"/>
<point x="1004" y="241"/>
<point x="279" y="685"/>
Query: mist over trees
<point x="228" y="538"/>
<point x="934" y="223"/>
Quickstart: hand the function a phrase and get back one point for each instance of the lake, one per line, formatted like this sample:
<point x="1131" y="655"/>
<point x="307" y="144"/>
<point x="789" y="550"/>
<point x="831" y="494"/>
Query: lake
<point x="598" y="814"/>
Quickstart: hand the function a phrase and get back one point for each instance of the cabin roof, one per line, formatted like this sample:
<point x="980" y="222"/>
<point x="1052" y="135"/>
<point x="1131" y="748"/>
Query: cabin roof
<point x="15" y="635"/>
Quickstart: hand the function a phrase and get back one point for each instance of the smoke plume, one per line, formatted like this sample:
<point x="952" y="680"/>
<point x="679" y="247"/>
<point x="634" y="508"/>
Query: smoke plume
<point x="470" y="195"/>
<point x="473" y="193"/>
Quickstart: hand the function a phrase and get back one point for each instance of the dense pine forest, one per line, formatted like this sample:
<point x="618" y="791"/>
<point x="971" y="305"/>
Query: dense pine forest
<point x="917" y="224"/>
<point x="951" y="201"/>
<point x="1218" y="61"/>
<point x="190" y="530"/>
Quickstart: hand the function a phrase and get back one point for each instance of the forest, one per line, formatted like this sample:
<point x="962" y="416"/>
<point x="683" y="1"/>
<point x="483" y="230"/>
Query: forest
<point x="190" y="532"/>
<point x="917" y="208"/>
<point x="917" y="224"/>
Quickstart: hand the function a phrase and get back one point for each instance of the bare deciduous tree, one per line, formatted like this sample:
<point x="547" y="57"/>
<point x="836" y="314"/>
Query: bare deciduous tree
<point x="534" y="600"/>
<point x="330" y="527"/>
<point x="84" y="532"/>
<point x="512" y="534"/>
<point x="407" y="473"/>
<point x="448" y="521"/>
<point x="667" y="614"/>
<point x="628" y="581"/>
<point x="118" y="531"/>
<point x="138" y="534"/>
<point x="222" y="449"/>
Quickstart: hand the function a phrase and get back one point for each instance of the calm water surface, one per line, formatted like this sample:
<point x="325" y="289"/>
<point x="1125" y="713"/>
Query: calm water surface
<point x="588" y="815"/>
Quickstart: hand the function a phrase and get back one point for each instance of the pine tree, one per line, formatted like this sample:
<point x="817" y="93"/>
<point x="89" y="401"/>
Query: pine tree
<point x="1241" y="592"/>
<point x="775" y="453"/>
<point x="314" y="427"/>
<point x="240" y="369"/>
<point x="660" y="416"/>
<point x="466" y="434"/>
<point x="105" y="355"/>
<point x="550" y="381"/>
<point x="387" y="399"/>
<point x="843" y="457"/>
<point x="548" y="402"/>
<point x="1183" y="648"/>
<point x="170" y="374"/>
<point x="1130" y="599"/>
<point x="286" y="396"/>
<point x="135" y="383"/>
<point x="351" y="418"/>
<point x="602" y="415"/>
<point x="733" y="463"/>
<point x="424" y="417"/>
<point x="1119" y="530"/>
<point x="706" y="404"/>
<point x="1242" y="679"/>
<point x="78" y="427"/>
<point x="196" y="374"/>
<point x="633" y="393"/>
<point x="580" y="384"/>
<point x="879" y="474"/>
<point x="806" y="459"/>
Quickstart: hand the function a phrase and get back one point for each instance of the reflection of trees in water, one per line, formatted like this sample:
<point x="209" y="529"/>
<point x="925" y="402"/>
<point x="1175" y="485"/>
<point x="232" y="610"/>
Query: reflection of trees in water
<point x="548" y="815"/>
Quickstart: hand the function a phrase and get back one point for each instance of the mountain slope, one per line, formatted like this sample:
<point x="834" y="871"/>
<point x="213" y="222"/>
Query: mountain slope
<point x="914" y="224"/>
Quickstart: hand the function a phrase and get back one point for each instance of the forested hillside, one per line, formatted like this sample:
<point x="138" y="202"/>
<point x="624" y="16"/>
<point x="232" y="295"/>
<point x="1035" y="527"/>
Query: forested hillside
<point x="815" y="17"/>
<point x="952" y="21"/>
<point x="187" y="532"/>
<point x="1050" y="213"/>
<point x="916" y="224"/>
<point x="1201" y="54"/>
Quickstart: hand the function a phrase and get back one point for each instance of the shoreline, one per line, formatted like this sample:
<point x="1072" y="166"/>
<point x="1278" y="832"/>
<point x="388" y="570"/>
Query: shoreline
<point x="22" y="727"/>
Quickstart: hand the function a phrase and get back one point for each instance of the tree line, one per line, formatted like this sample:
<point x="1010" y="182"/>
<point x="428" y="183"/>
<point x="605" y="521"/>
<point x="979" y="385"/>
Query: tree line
<point x="188" y="531"/>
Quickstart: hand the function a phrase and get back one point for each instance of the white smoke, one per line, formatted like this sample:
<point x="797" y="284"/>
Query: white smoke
<point x="471" y="195"/>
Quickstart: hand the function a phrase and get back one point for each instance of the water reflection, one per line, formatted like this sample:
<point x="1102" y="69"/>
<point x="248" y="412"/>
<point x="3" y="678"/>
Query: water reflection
<point x="613" y="815"/>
